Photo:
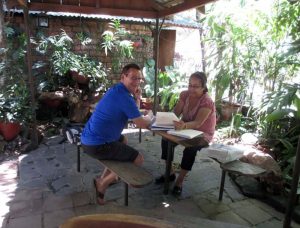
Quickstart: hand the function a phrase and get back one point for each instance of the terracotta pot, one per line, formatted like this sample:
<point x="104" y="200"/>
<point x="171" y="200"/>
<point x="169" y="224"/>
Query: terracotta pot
<point x="228" y="110"/>
<point x="52" y="103"/>
<point x="10" y="130"/>
<point x="79" y="78"/>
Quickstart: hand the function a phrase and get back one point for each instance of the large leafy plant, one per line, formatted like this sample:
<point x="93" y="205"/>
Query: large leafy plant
<point x="169" y="83"/>
<point x="14" y="93"/>
<point x="63" y="60"/>
<point x="116" y="42"/>
<point x="176" y="83"/>
<point x="279" y="122"/>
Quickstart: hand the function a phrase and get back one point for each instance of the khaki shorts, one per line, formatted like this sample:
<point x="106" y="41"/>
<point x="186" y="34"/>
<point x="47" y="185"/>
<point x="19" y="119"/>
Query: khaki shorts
<point x="117" y="151"/>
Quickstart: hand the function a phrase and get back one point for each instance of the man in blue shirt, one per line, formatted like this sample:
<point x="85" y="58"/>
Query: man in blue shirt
<point x="101" y="137"/>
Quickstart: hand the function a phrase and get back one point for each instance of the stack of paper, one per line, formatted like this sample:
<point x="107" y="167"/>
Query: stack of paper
<point x="186" y="133"/>
<point x="223" y="153"/>
<point x="164" y="121"/>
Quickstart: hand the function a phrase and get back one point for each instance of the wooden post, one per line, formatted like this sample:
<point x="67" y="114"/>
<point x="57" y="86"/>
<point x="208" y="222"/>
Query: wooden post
<point x="156" y="50"/>
<point x="30" y="81"/>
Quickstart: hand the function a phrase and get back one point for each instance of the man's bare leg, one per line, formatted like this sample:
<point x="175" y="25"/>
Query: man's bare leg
<point x="103" y="183"/>
<point x="139" y="160"/>
<point x="105" y="173"/>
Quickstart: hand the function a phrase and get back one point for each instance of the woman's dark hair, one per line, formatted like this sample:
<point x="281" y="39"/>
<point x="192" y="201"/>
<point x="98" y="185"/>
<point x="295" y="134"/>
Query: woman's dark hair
<point x="202" y="77"/>
<point x="130" y="66"/>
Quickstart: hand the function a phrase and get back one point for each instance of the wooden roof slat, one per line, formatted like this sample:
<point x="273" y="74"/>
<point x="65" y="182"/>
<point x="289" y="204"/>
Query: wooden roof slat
<point x="91" y="10"/>
<point x="127" y="8"/>
<point x="187" y="4"/>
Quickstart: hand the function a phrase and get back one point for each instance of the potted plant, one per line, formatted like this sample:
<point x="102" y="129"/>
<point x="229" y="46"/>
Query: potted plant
<point x="14" y="94"/>
<point x="15" y="109"/>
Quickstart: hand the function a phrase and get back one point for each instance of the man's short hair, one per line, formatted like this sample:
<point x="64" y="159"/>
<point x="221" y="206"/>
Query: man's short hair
<point x="130" y="66"/>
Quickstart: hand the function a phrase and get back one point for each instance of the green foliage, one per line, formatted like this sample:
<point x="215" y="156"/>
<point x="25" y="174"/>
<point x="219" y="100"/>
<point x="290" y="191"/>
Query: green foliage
<point x="116" y="42"/>
<point x="170" y="83"/>
<point x="14" y="93"/>
<point x="58" y="47"/>
<point x="252" y="51"/>
<point x="279" y="121"/>
<point x="149" y="74"/>
<point x="63" y="60"/>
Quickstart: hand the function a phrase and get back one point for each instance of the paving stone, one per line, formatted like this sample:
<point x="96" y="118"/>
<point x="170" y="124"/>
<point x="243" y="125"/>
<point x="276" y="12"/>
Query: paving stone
<point x="213" y="209"/>
<point x="81" y="198"/>
<point x="253" y="214"/>
<point x="273" y="223"/>
<point x="276" y="214"/>
<point x="28" y="194"/>
<point x="240" y="204"/>
<point x="25" y="208"/>
<point x="86" y="210"/>
<point x="187" y="207"/>
<point x="33" y="183"/>
<point x="295" y="224"/>
<point x="3" y="221"/>
<point x="4" y="209"/>
<point x="55" y="218"/>
<point x="53" y="169"/>
<point x="67" y="183"/>
<point x="230" y="217"/>
<point x="54" y="203"/>
<point x="26" y="222"/>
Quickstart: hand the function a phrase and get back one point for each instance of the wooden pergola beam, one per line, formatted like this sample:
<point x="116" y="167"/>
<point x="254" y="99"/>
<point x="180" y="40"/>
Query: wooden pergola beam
<point x="52" y="7"/>
<point x="186" y="5"/>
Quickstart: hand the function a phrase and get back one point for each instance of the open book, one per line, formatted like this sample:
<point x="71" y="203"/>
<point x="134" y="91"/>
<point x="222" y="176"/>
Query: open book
<point x="164" y="121"/>
<point x="185" y="133"/>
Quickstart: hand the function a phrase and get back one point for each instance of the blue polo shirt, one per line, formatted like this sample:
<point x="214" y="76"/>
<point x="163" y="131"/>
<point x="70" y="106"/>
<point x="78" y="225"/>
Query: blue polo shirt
<point x="110" y="116"/>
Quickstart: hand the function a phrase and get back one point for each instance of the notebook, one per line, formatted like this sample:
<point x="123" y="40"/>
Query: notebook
<point x="163" y="121"/>
<point x="186" y="133"/>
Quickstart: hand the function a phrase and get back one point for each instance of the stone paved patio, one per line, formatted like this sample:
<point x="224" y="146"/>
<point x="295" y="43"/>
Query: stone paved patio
<point x="43" y="189"/>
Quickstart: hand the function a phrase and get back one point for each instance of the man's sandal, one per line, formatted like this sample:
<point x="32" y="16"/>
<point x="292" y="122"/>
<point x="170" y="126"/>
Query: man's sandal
<point x="98" y="193"/>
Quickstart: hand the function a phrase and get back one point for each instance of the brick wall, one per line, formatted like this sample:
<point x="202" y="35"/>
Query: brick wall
<point x="95" y="28"/>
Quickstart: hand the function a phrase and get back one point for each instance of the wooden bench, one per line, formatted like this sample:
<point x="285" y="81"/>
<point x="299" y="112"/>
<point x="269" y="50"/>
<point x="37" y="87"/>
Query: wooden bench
<point x="238" y="167"/>
<point x="131" y="174"/>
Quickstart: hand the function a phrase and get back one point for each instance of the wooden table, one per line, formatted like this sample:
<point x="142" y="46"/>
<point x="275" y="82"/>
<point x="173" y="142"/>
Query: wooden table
<point x="172" y="142"/>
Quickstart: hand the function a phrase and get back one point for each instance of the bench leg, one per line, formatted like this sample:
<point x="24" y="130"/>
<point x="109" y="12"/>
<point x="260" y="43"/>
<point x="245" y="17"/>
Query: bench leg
<point x="78" y="158"/>
<point x="126" y="194"/>
<point x="222" y="184"/>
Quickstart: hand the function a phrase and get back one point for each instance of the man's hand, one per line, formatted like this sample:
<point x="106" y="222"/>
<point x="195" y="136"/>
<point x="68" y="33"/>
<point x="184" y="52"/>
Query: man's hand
<point x="138" y="93"/>
<point x="148" y="116"/>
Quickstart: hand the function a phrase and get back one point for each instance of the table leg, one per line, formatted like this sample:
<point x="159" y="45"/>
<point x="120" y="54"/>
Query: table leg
<point x="222" y="184"/>
<point x="168" y="167"/>
<point x="140" y="135"/>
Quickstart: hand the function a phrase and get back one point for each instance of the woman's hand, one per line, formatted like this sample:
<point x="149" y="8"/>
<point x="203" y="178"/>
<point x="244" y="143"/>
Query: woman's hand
<point x="179" y="125"/>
